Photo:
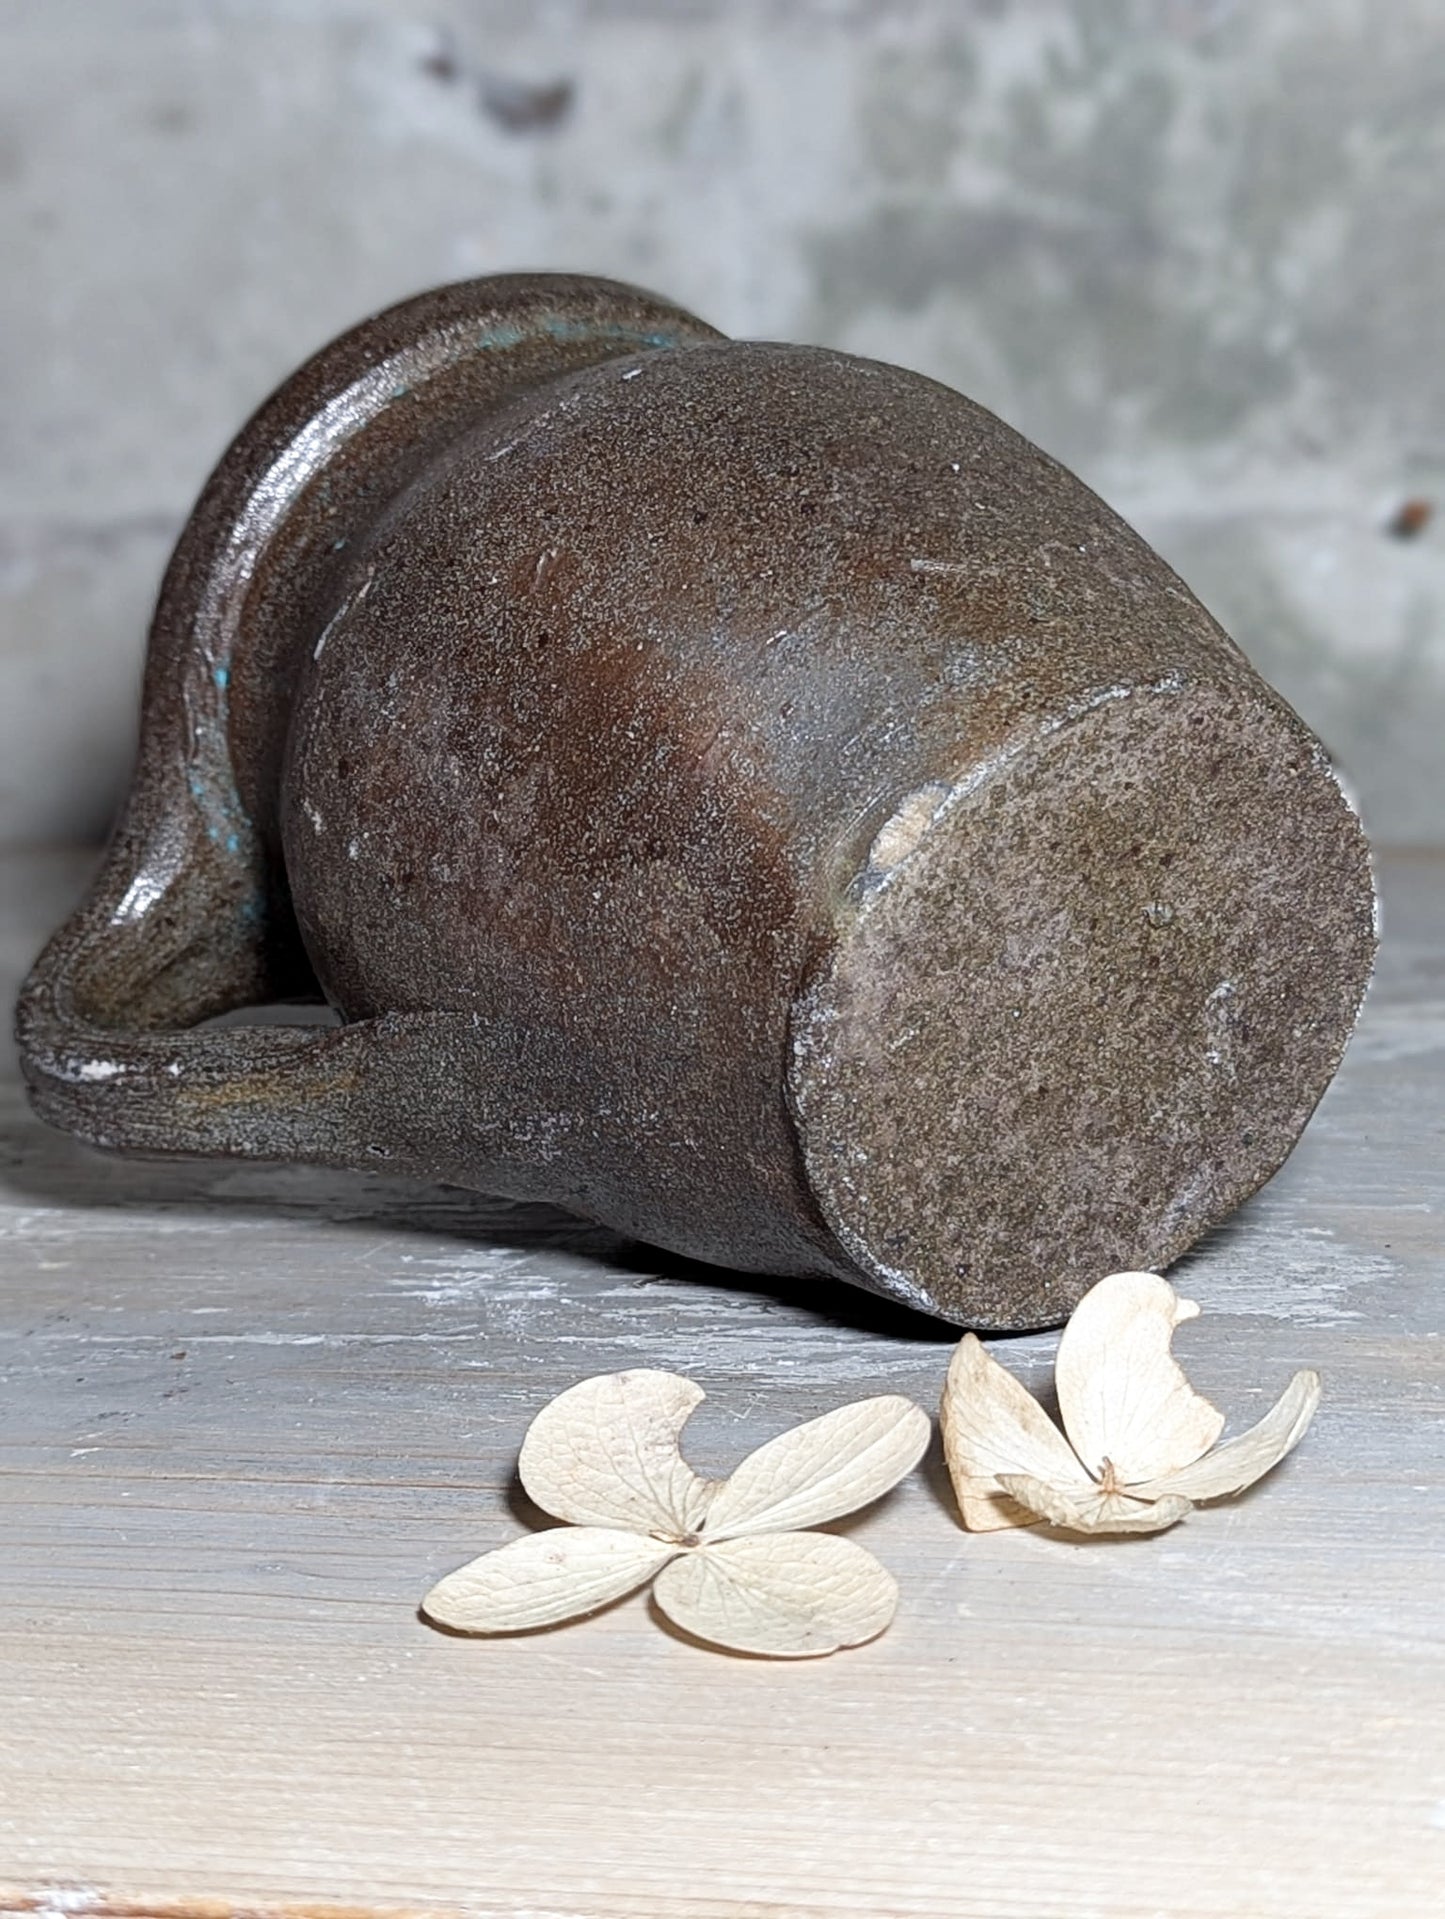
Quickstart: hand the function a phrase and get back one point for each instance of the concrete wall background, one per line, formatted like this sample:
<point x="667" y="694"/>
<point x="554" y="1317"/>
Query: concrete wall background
<point x="1195" y="248"/>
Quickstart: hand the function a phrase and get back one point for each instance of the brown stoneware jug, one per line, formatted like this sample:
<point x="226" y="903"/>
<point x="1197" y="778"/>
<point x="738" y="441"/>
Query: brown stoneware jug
<point x="742" y="793"/>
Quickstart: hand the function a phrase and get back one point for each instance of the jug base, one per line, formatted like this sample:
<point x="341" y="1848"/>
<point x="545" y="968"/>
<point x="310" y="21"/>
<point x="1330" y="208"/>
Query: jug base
<point x="1089" y="999"/>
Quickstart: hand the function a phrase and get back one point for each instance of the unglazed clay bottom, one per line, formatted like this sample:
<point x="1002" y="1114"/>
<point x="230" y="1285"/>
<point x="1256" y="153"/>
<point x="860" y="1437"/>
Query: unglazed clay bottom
<point x="1088" y="1011"/>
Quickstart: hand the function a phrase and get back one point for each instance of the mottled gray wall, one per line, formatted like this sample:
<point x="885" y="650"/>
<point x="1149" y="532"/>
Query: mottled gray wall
<point x="1192" y="247"/>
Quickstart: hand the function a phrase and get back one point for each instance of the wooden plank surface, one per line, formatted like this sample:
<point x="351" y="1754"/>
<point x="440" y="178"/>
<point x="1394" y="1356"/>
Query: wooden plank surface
<point x="248" y="1415"/>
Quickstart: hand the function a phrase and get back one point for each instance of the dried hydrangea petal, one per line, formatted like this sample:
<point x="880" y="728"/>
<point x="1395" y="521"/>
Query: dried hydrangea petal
<point x="786" y="1595"/>
<point x="606" y="1453"/>
<point x="993" y="1425"/>
<point x="822" y="1469"/>
<point x="1123" y="1397"/>
<point x="1095" y="1511"/>
<point x="1250" y="1455"/>
<point x="544" y="1578"/>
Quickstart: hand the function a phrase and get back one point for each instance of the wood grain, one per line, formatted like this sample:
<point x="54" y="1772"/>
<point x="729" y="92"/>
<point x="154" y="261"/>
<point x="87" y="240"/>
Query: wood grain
<point x="249" y="1415"/>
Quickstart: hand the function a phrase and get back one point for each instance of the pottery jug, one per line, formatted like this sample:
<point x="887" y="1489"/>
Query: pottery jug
<point x="743" y="793"/>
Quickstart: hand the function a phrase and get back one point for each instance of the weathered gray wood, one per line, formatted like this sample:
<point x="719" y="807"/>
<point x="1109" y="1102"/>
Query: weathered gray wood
<point x="248" y="1415"/>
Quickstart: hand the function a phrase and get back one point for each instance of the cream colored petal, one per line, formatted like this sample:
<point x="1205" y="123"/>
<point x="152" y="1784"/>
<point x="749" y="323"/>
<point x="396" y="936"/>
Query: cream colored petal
<point x="1249" y="1456"/>
<point x="992" y="1425"/>
<point x="990" y="1512"/>
<point x="1122" y="1394"/>
<point x="789" y="1595"/>
<point x="605" y="1453"/>
<point x="822" y="1469"/>
<point x="1095" y="1511"/>
<point x="544" y="1578"/>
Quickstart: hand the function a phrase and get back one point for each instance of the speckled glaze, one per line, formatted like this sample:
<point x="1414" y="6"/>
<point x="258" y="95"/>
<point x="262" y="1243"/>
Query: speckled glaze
<point x="742" y="793"/>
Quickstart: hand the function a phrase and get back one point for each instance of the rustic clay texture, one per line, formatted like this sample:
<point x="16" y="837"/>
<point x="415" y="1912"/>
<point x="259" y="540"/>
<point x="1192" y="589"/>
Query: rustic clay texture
<point x="744" y="793"/>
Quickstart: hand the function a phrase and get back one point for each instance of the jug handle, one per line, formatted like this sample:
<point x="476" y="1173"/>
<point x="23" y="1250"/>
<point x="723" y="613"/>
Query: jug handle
<point x="327" y="1095"/>
<point x="190" y="916"/>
